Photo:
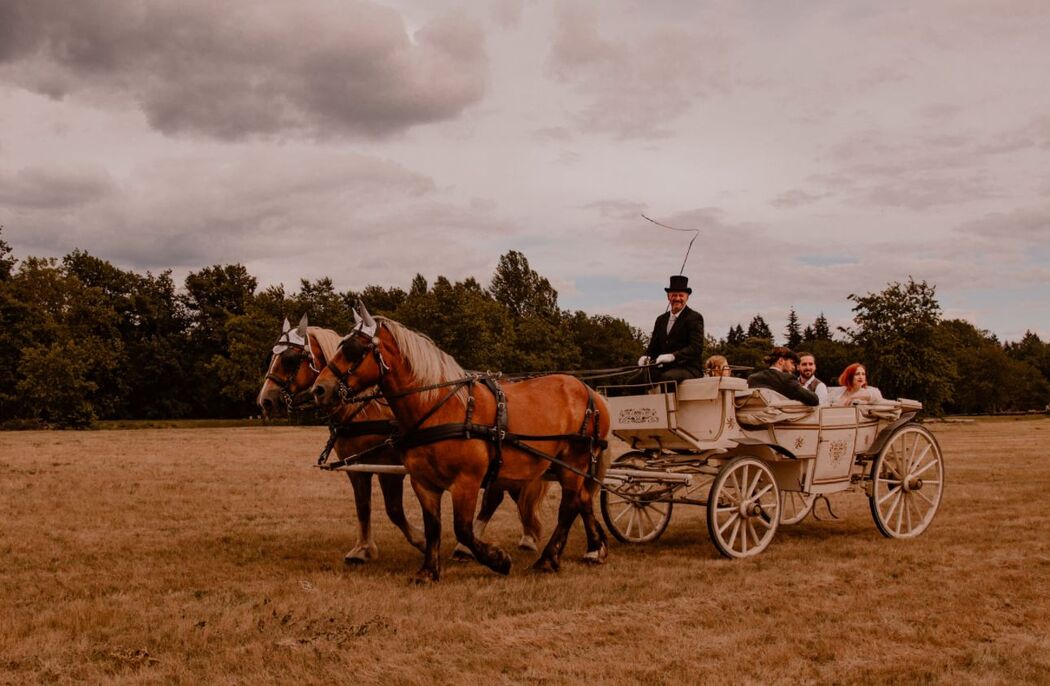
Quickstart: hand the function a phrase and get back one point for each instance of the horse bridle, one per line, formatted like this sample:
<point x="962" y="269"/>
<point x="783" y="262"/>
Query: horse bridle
<point x="286" y="384"/>
<point x="346" y="394"/>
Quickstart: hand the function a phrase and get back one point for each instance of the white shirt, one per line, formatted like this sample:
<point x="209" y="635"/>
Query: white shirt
<point x="817" y="386"/>
<point x="671" y="321"/>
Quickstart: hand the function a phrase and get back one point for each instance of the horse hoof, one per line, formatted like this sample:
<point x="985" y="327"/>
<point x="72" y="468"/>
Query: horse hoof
<point x="596" y="557"/>
<point x="545" y="565"/>
<point x="359" y="556"/>
<point x="500" y="562"/>
<point x="528" y="543"/>
<point x="423" y="577"/>
<point x="462" y="554"/>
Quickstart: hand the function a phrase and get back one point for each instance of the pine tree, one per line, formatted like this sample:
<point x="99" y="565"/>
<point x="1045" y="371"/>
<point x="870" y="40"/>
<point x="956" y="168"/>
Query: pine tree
<point x="821" y="330"/>
<point x="793" y="333"/>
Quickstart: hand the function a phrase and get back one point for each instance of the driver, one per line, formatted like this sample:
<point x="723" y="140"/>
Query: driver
<point x="677" y="342"/>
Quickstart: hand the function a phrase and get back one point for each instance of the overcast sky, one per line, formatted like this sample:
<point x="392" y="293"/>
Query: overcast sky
<point x="820" y="151"/>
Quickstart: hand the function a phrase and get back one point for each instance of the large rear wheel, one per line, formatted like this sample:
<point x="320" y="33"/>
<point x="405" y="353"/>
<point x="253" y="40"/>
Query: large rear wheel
<point x="743" y="509"/>
<point x="907" y="482"/>
<point x="639" y="511"/>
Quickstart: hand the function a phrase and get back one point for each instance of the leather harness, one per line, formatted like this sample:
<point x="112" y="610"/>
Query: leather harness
<point x="496" y="433"/>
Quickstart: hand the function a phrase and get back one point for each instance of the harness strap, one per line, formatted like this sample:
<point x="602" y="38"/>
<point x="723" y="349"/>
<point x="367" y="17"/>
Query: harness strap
<point x="499" y="431"/>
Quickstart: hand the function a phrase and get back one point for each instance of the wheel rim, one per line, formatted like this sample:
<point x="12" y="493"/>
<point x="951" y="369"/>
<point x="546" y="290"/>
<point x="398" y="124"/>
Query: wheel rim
<point x="907" y="483"/>
<point x="743" y="510"/>
<point x="795" y="506"/>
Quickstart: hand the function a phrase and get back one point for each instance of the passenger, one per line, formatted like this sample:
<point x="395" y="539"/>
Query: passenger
<point x="780" y="377"/>
<point x="854" y="380"/>
<point x="717" y="365"/>
<point x="677" y="342"/>
<point x="807" y="376"/>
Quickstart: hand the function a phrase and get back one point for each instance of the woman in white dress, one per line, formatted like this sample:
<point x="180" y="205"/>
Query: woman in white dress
<point x="854" y="380"/>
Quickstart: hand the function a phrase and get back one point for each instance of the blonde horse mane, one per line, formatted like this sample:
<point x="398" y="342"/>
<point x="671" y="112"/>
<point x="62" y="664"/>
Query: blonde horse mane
<point x="427" y="363"/>
<point x="327" y="339"/>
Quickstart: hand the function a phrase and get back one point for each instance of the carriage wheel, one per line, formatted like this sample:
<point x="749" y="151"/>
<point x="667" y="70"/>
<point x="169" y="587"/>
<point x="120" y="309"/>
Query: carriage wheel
<point x="907" y="481"/>
<point x="743" y="509"/>
<point x="638" y="512"/>
<point x="795" y="506"/>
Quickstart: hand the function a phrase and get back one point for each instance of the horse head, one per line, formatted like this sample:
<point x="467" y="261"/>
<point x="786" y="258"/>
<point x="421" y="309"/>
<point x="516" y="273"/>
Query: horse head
<point x="356" y="365"/>
<point x="292" y="370"/>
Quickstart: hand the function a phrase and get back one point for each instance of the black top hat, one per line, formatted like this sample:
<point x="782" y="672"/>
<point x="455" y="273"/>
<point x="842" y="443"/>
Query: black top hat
<point x="679" y="283"/>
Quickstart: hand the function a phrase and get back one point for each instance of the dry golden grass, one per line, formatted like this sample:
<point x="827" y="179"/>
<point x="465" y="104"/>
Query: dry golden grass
<point x="215" y="556"/>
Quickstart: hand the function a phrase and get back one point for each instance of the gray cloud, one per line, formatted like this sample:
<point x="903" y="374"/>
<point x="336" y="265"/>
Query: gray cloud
<point x="1023" y="225"/>
<point x="59" y="188"/>
<point x="316" y="68"/>
<point x="635" y="85"/>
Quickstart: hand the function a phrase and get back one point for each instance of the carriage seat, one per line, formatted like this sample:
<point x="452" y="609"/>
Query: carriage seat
<point x="757" y="406"/>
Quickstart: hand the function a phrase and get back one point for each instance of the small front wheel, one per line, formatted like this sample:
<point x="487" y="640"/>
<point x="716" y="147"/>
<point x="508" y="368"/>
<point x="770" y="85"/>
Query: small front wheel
<point x="795" y="506"/>
<point x="743" y="508"/>
<point x="638" y="512"/>
<point x="907" y="482"/>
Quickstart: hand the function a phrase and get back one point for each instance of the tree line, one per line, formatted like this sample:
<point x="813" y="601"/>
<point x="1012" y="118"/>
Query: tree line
<point x="85" y="340"/>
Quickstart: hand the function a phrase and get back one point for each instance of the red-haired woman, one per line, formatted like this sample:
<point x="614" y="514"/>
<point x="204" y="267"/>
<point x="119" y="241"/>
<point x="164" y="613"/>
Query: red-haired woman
<point x="854" y="379"/>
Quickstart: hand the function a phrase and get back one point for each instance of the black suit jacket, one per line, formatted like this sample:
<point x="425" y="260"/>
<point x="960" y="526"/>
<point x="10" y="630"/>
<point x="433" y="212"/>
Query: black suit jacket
<point x="783" y="383"/>
<point x="685" y="340"/>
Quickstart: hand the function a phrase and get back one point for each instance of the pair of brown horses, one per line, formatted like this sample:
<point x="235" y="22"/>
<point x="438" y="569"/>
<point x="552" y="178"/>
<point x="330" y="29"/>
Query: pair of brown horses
<point x="299" y="353"/>
<point x="558" y="424"/>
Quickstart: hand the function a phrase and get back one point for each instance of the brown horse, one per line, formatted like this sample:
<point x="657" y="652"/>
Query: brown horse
<point x="431" y="395"/>
<point x="298" y="354"/>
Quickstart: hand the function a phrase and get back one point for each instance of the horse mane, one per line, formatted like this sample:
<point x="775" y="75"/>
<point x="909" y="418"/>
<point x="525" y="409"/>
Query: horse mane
<point x="326" y="338"/>
<point x="427" y="364"/>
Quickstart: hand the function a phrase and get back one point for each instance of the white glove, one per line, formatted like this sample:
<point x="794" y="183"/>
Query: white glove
<point x="643" y="360"/>
<point x="666" y="358"/>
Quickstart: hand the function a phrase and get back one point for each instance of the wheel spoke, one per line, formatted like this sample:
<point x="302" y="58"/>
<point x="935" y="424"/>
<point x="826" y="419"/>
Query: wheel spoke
<point x="907" y="509"/>
<point x="743" y="539"/>
<point x="929" y="464"/>
<point x="627" y="509"/>
<point x="888" y="494"/>
<point x="918" y="459"/>
<point x="730" y="520"/>
<point x="733" y="533"/>
<point x="631" y="521"/>
<point x="767" y="489"/>
<point x="753" y="485"/>
<point x="649" y="518"/>
<point x="751" y="528"/>
<point x="893" y="506"/>
<point x="924" y="497"/>
<point x="736" y="484"/>
<point x="900" y="513"/>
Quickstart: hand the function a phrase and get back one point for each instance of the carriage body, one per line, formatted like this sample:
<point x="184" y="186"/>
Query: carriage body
<point x="704" y="441"/>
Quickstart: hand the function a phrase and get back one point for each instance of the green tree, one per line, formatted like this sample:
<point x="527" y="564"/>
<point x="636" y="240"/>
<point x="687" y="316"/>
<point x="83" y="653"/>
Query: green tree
<point x="821" y="330"/>
<point x="759" y="329"/>
<point x="522" y="290"/>
<point x="793" y="332"/>
<point x="904" y="350"/>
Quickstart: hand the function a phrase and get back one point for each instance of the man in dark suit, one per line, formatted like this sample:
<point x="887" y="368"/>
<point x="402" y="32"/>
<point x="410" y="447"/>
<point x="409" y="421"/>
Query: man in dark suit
<point x="780" y="377"/>
<point x="677" y="343"/>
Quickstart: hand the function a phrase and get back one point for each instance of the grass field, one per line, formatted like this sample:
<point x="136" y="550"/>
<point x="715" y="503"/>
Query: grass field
<point x="215" y="556"/>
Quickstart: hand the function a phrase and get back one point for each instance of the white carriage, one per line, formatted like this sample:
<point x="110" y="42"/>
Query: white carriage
<point x="757" y="460"/>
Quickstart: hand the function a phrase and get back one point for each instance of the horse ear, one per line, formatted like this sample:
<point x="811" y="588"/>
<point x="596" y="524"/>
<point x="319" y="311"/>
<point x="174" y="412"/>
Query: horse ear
<point x="357" y="317"/>
<point x="303" y="327"/>
<point x="367" y="318"/>
<point x="285" y="326"/>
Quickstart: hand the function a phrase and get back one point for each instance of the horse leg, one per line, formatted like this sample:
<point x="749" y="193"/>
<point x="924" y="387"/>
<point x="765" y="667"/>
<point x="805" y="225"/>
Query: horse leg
<point x="393" y="486"/>
<point x="490" y="502"/>
<point x="550" y="558"/>
<point x="365" y="549"/>
<point x="597" y="544"/>
<point x="464" y="502"/>
<point x="529" y="500"/>
<point x="430" y="501"/>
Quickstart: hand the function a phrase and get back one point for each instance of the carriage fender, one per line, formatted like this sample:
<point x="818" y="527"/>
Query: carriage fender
<point x="884" y="435"/>
<point x="755" y="442"/>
